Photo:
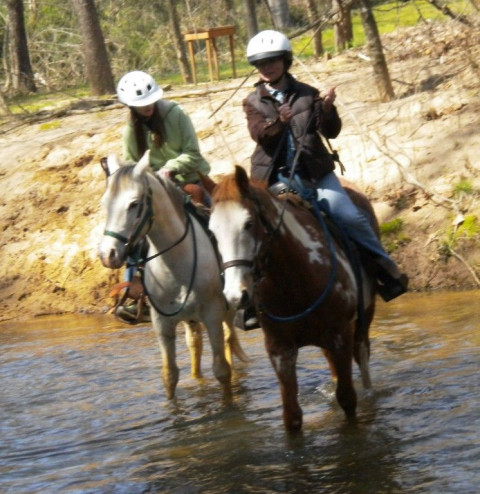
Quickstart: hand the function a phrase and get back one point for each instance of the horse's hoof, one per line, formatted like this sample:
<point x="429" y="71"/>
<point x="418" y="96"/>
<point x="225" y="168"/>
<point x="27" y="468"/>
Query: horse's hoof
<point x="293" y="423"/>
<point x="293" y="427"/>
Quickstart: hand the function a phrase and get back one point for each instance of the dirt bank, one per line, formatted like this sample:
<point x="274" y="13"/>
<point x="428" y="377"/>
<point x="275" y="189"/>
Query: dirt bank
<point x="416" y="157"/>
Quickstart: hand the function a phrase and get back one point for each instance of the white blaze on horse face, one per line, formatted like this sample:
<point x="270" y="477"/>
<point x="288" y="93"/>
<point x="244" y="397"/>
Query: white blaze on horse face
<point x="121" y="212"/>
<point x="232" y="227"/>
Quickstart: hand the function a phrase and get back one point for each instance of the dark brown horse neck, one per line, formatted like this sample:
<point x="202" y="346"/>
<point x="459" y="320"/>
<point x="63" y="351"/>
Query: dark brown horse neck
<point x="301" y="267"/>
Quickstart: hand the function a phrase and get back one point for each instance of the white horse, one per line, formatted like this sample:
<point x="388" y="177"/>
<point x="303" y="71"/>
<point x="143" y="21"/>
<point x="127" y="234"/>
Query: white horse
<point x="182" y="275"/>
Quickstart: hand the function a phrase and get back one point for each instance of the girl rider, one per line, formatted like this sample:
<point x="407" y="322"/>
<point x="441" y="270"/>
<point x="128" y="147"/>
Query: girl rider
<point x="283" y="114"/>
<point x="166" y="130"/>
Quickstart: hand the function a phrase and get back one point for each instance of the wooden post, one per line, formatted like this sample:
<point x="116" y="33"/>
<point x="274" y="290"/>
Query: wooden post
<point x="192" y="60"/>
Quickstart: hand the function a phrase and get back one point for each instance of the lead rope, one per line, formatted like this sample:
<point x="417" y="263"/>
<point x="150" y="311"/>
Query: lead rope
<point x="308" y="196"/>
<point x="140" y="263"/>
<point x="192" y="277"/>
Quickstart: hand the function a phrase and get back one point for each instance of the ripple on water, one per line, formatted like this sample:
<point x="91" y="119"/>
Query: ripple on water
<point x="83" y="409"/>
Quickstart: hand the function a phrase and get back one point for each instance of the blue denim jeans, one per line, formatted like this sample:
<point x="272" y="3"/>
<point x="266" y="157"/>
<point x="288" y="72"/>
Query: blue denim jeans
<point x="348" y="216"/>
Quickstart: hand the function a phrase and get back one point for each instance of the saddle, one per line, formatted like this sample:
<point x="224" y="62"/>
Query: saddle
<point x="357" y="255"/>
<point x="291" y="196"/>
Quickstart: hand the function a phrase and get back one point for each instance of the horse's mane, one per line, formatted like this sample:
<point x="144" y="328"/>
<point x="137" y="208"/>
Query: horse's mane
<point x="174" y="193"/>
<point x="227" y="189"/>
<point x="124" y="174"/>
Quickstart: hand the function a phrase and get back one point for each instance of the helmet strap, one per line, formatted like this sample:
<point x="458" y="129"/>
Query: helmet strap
<point x="276" y="81"/>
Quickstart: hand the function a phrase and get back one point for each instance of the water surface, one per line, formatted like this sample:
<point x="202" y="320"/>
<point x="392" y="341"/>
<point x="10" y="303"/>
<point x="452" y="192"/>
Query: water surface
<point x="82" y="410"/>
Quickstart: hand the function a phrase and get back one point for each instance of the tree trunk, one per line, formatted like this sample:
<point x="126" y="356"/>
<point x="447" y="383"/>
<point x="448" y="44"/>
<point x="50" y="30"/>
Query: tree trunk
<point x="250" y="18"/>
<point x="97" y="65"/>
<point x="21" y="74"/>
<point x="230" y="6"/>
<point x="279" y="12"/>
<point x="375" y="51"/>
<point x="178" y="42"/>
<point x="3" y="106"/>
<point x="317" y="31"/>
<point x="343" y="31"/>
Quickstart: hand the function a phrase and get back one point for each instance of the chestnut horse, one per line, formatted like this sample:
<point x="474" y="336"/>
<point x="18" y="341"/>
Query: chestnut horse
<point x="182" y="274"/>
<point x="301" y="281"/>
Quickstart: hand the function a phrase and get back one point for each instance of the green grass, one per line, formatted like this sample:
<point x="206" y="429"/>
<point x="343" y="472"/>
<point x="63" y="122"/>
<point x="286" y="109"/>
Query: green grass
<point x="54" y="124"/>
<point x="391" y="227"/>
<point x="392" y="235"/>
<point x="468" y="229"/>
<point x="389" y="16"/>
<point x="33" y="103"/>
<point x="464" y="187"/>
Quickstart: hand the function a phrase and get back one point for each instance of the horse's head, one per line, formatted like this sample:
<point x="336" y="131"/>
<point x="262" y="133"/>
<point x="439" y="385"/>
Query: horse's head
<point x="236" y="227"/>
<point x="127" y="201"/>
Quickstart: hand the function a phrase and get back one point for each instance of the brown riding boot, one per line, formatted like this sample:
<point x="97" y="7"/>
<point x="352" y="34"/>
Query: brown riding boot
<point x="391" y="282"/>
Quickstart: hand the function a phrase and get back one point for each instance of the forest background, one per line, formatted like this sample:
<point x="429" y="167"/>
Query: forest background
<point x="408" y="81"/>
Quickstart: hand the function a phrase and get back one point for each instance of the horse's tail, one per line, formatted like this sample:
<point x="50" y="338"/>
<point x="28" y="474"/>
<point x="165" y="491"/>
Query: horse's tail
<point x="238" y="350"/>
<point x="233" y="347"/>
<point x="362" y="343"/>
<point x="363" y="357"/>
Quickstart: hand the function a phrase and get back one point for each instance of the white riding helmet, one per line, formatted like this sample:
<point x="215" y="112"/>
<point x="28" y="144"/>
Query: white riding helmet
<point x="269" y="44"/>
<point x="137" y="88"/>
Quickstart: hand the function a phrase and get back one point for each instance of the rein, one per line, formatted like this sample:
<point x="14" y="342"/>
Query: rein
<point x="331" y="279"/>
<point x="294" y="183"/>
<point x="148" y="217"/>
<point x="270" y="234"/>
<point x="188" y="225"/>
<point x="132" y="240"/>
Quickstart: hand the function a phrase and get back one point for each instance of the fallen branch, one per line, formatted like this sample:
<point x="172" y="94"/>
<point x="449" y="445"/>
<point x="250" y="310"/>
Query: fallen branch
<point x="445" y="10"/>
<point x="76" y="108"/>
<point x="470" y="269"/>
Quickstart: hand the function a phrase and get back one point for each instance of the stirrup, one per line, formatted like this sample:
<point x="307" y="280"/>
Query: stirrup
<point x="246" y="319"/>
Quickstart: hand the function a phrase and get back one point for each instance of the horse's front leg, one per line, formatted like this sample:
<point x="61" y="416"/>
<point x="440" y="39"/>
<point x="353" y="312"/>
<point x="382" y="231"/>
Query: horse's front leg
<point x="193" y="337"/>
<point x="284" y="361"/>
<point x="165" y="331"/>
<point x="221" y="368"/>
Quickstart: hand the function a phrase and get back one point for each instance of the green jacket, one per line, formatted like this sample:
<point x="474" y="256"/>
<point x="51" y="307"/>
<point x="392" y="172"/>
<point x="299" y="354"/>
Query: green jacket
<point x="180" y="153"/>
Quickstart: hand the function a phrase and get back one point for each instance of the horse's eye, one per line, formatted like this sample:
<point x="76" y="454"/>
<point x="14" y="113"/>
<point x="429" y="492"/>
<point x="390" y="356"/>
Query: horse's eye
<point x="133" y="205"/>
<point x="248" y="225"/>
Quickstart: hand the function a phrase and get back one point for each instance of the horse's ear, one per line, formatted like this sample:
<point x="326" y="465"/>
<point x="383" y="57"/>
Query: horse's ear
<point x="207" y="182"/>
<point x="103" y="164"/>
<point x="143" y="164"/>
<point x="110" y="165"/>
<point x="242" y="180"/>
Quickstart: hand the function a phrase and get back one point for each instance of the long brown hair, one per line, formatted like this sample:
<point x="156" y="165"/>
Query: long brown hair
<point x="154" y="123"/>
